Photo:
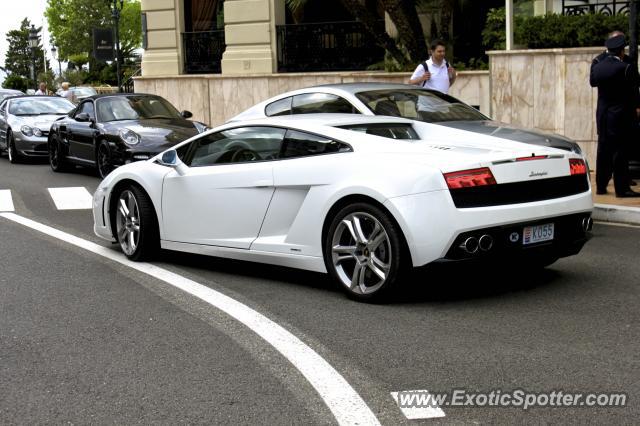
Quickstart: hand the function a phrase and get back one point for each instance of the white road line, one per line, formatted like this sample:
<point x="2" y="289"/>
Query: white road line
<point x="71" y="198"/>
<point x="421" y="409"/>
<point x="343" y="401"/>
<point x="6" y="202"/>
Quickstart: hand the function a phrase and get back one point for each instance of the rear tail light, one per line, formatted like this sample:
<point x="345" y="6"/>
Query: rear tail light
<point x="577" y="166"/>
<point x="469" y="178"/>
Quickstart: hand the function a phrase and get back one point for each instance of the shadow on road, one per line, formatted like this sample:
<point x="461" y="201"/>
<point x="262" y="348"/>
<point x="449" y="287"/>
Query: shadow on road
<point x="433" y="283"/>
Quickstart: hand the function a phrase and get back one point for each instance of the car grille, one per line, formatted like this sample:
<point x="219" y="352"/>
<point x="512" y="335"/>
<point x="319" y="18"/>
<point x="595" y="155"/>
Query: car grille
<point x="519" y="192"/>
<point x="42" y="147"/>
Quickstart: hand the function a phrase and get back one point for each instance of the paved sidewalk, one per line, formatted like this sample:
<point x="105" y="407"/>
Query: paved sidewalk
<point x="608" y="208"/>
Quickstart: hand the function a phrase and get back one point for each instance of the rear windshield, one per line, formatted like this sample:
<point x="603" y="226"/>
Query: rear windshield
<point x="390" y="130"/>
<point x="418" y="104"/>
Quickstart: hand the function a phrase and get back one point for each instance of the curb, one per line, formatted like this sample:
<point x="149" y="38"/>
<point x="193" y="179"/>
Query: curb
<point x="614" y="213"/>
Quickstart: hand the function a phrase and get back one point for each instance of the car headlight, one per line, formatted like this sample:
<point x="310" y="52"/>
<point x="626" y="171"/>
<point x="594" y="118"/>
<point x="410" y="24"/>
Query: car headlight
<point x="30" y="131"/>
<point x="129" y="136"/>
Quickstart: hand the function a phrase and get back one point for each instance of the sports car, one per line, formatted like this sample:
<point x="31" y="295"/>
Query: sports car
<point x="5" y="93"/>
<point x="25" y="123"/>
<point x="365" y="199"/>
<point x="106" y="131"/>
<point x="399" y="100"/>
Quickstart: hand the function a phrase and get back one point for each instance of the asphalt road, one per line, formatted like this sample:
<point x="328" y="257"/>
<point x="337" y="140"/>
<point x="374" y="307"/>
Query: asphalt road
<point x="86" y="340"/>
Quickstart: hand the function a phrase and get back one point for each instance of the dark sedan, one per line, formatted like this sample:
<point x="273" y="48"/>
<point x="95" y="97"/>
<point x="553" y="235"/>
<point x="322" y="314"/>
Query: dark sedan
<point x="106" y="131"/>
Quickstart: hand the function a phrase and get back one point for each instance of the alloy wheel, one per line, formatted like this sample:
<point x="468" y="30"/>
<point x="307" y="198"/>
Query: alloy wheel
<point x="104" y="165"/>
<point x="11" y="147"/>
<point x="361" y="253"/>
<point x="128" y="222"/>
<point x="54" y="155"/>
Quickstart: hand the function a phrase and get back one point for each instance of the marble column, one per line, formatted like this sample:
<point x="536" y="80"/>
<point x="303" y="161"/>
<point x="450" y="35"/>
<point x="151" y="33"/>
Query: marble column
<point x="250" y="36"/>
<point x="163" y="52"/>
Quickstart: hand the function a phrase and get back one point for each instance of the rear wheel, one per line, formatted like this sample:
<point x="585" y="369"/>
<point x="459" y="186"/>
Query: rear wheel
<point x="136" y="224"/>
<point x="364" y="253"/>
<point x="103" y="158"/>
<point x="14" y="155"/>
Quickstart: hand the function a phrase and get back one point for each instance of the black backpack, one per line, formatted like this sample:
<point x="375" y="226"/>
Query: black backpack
<point x="426" y="68"/>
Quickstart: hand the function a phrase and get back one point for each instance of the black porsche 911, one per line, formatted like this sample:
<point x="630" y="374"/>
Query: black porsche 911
<point x="106" y="131"/>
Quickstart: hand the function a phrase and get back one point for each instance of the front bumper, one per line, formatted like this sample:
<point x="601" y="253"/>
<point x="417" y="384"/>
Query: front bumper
<point x="126" y="155"/>
<point x="31" y="146"/>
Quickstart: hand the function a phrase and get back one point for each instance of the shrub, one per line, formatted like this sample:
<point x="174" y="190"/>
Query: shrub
<point x="552" y="30"/>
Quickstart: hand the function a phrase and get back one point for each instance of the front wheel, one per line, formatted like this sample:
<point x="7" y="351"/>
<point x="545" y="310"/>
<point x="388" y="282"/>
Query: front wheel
<point x="364" y="253"/>
<point x="14" y="155"/>
<point x="56" y="158"/>
<point x="136" y="224"/>
<point x="104" y="159"/>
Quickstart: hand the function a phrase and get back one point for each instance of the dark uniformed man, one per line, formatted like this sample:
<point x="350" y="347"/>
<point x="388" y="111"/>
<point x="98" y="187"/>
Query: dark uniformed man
<point x="617" y="83"/>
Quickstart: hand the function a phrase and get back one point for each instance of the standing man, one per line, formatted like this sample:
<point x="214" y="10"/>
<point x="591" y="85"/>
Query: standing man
<point x="435" y="73"/>
<point x="618" y="96"/>
<point x="43" y="89"/>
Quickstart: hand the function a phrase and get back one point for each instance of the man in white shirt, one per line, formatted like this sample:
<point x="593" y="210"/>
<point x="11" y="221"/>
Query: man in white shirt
<point x="42" y="90"/>
<point x="435" y="73"/>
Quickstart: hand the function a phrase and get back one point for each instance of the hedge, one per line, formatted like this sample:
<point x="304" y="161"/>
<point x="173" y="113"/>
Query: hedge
<point x="552" y="30"/>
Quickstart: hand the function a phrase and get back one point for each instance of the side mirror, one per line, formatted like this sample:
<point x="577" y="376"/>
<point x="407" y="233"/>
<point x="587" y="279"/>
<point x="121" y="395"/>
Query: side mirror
<point x="170" y="159"/>
<point x="186" y="114"/>
<point x="83" y="117"/>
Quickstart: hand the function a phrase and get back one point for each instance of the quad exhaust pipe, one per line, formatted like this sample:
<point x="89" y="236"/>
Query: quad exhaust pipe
<point x="472" y="244"/>
<point x="587" y="224"/>
<point x="485" y="242"/>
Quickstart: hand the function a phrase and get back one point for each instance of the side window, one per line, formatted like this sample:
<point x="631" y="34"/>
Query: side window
<point x="87" y="107"/>
<point x="301" y="144"/>
<point x="311" y="103"/>
<point x="281" y="107"/>
<point x="239" y="145"/>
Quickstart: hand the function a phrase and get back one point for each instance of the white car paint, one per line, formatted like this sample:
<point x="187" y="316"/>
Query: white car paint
<point x="274" y="211"/>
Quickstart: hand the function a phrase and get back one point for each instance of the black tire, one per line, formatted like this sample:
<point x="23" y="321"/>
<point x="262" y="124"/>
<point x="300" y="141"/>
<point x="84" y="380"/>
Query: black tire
<point x="103" y="160"/>
<point x="364" y="270"/>
<point x="56" y="157"/>
<point x="147" y="238"/>
<point x="12" y="152"/>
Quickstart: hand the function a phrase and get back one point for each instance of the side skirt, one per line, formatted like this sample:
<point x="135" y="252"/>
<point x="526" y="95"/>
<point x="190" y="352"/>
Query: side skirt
<point x="309" y="263"/>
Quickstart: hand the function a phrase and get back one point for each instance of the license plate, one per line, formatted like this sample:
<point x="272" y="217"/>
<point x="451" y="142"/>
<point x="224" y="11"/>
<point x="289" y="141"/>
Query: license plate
<point x="537" y="234"/>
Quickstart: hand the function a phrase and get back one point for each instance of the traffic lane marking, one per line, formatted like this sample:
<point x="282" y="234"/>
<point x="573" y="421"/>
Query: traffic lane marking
<point x="6" y="202"/>
<point x="71" y="198"/>
<point x="342" y="400"/>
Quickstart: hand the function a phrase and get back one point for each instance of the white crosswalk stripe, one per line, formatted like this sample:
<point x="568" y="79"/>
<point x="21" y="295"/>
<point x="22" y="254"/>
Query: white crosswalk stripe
<point x="6" y="202"/>
<point x="71" y="198"/>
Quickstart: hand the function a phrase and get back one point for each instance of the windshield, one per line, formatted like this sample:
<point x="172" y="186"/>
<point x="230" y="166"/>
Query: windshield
<point x="419" y="104"/>
<point x="116" y="108"/>
<point x="84" y="91"/>
<point x="40" y="106"/>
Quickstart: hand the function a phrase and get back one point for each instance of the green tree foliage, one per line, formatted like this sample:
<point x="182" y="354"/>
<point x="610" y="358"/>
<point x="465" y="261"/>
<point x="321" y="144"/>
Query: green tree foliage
<point x="17" y="82"/>
<point x="552" y="30"/>
<point x="18" y="60"/>
<point x="71" y="23"/>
